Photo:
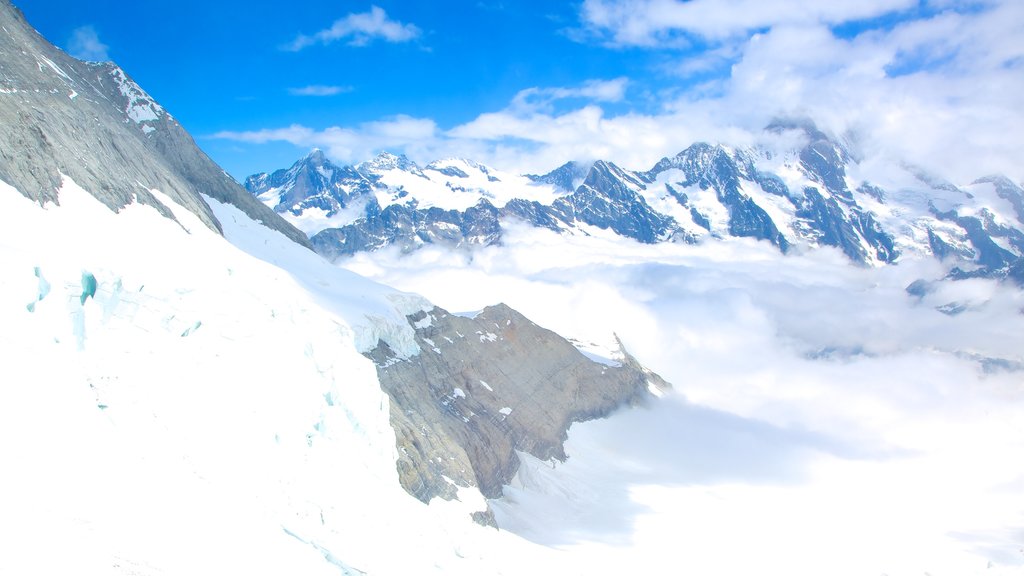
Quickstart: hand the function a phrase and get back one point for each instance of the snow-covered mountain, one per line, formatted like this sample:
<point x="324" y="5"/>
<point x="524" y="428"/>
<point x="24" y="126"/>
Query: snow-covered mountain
<point x="90" y="122"/>
<point x="817" y="192"/>
<point x="188" y="389"/>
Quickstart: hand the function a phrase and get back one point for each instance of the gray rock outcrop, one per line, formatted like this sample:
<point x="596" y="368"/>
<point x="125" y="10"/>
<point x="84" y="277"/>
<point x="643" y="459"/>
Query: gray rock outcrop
<point x="91" y="122"/>
<point x="485" y="387"/>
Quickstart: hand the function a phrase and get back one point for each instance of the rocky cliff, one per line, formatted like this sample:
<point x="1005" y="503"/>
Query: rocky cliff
<point x="485" y="387"/>
<point x="91" y="122"/>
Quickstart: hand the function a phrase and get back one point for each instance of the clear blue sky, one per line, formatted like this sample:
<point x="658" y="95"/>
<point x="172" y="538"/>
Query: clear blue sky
<point x="530" y="84"/>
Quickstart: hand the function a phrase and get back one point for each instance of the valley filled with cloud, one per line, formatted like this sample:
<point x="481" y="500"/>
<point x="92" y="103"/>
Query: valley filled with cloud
<point x="823" y="418"/>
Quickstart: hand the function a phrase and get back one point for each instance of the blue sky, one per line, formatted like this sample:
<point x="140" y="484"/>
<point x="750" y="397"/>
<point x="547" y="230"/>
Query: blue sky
<point x="528" y="85"/>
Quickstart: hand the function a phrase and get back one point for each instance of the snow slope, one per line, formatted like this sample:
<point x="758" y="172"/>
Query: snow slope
<point x="175" y="403"/>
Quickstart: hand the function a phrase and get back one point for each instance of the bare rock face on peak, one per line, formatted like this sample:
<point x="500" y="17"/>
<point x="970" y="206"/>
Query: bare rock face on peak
<point x="89" y="121"/>
<point x="482" y="388"/>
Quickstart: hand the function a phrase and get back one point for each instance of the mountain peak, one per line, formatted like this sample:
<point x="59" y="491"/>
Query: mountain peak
<point x="388" y="161"/>
<point x="316" y="157"/>
<point x="568" y="176"/>
<point x="92" y="124"/>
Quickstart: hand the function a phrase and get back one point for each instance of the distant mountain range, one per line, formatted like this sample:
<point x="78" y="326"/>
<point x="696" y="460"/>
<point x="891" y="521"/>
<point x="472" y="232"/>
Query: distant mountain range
<point x="797" y="197"/>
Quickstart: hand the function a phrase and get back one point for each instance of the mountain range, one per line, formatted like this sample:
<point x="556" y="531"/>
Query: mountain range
<point x="800" y="190"/>
<point x="191" y="384"/>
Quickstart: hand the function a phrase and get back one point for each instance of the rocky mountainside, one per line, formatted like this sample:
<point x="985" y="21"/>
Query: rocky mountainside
<point x="485" y="387"/>
<point x="816" y="192"/>
<point x="91" y="122"/>
<point x="466" y="393"/>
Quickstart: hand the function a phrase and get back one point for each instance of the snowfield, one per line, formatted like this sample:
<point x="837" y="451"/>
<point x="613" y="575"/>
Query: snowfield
<point x="174" y="403"/>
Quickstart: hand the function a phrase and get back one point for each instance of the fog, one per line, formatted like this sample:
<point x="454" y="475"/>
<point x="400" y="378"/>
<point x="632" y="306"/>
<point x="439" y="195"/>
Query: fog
<point x="822" y="420"/>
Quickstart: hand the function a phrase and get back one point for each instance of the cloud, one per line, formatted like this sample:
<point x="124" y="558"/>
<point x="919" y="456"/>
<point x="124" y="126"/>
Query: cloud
<point x="939" y="88"/>
<point x="85" y="45"/>
<point x="399" y="133"/>
<point x="813" y="399"/>
<point x="653" y="22"/>
<point x="527" y="135"/>
<point x="359" y="29"/>
<point x="319" y="90"/>
<point x="591" y="90"/>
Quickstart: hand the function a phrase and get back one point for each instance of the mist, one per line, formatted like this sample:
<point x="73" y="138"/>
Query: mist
<point x="823" y="419"/>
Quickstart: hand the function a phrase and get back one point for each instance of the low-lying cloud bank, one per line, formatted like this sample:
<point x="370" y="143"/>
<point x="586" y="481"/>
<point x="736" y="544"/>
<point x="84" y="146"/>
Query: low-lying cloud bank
<point x="824" y="420"/>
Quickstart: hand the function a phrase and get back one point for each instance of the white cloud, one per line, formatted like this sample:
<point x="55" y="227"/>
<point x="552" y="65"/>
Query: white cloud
<point x="85" y="45"/>
<point x="816" y="404"/>
<point x="319" y="90"/>
<point x="359" y="29"/>
<point x="527" y="136"/>
<point x="400" y="133"/>
<point x="652" y="22"/>
<point x="943" y="91"/>
<point x="592" y="90"/>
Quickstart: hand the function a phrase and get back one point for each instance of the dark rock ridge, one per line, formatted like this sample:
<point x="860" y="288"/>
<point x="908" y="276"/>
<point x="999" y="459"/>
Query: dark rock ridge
<point x="606" y="199"/>
<point x="705" y="191"/>
<point x="311" y="183"/>
<point x="482" y="388"/>
<point x="712" y="167"/>
<point x="566" y="177"/>
<point x="92" y="123"/>
<point x="408" y="228"/>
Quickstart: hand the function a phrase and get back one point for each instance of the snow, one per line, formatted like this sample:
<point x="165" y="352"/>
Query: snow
<point x="487" y="386"/>
<point x="259" y="443"/>
<point x="823" y="421"/>
<point x="313" y="220"/>
<point x="57" y="69"/>
<point x="505" y="411"/>
<point x="779" y="208"/>
<point x="607" y="352"/>
<point x="140" y="106"/>
<point x="432" y="188"/>
<point x="659" y="198"/>
<point x="1000" y="209"/>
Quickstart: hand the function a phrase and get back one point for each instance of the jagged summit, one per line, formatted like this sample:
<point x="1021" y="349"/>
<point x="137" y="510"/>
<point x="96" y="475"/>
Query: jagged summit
<point x="388" y="161"/>
<point x="813" y="194"/>
<point x="316" y="156"/>
<point x="803" y="124"/>
<point x="567" y="177"/>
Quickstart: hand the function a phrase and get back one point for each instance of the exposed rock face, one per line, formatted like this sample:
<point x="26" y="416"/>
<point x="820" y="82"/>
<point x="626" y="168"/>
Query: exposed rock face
<point x="409" y="228"/>
<point x="307" y="184"/>
<point x="568" y="176"/>
<point x="609" y="199"/>
<point x="712" y="167"/>
<point x="92" y="123"/>
<point x="482" y="388"/>
<point x="808" y="191"/>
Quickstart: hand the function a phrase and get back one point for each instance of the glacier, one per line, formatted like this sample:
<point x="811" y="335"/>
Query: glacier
<point x="207" y="410"/>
